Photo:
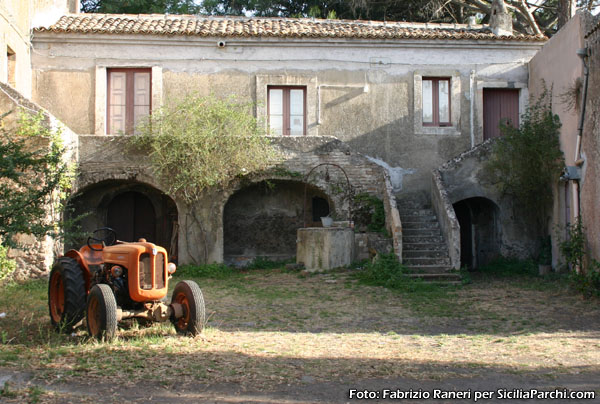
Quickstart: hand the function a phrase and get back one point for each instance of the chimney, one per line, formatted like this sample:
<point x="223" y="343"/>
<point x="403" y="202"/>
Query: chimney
<point x="500" y="19"/>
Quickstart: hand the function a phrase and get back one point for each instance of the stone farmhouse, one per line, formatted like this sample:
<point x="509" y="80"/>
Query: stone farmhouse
<point x="399" y="110"/>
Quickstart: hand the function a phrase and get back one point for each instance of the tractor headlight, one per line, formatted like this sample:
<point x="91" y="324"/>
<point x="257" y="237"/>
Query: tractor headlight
<point x="171" y="268"/>
<point x="116" y="271"/>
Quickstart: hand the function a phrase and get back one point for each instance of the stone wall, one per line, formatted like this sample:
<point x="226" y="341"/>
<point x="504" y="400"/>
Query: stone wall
<point x="104" y="160"/>
<point x="464" y="178"/>
<point x="37" y="254"/>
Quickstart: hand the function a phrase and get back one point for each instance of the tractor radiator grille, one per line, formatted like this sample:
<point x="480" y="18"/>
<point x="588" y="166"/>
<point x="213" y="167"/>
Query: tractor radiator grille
<point x="159" y="272"/>
<point x="146" y="274"/>
<point x="145" y="271"/>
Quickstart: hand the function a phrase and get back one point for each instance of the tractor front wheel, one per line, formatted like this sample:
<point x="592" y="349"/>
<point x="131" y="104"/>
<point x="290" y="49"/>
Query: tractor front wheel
<point x="102" y="313"/>
<point x="189" y="295"/>
<point x="66" y="294"/>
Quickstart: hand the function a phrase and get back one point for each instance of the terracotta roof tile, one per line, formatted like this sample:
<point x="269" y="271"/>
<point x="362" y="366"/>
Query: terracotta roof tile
<point x="203" y="26"/>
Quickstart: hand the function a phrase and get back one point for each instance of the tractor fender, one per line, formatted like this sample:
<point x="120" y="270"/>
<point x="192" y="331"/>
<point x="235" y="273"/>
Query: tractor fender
<point x="87" y="274"/>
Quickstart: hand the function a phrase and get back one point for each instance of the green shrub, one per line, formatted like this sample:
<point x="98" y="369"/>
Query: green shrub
<point x="573" y="248"/>
<point x="7" y="266"/>
<point x="587" y="282"/>
<point x="527" y="161"/>
<point x="369" y="212"/>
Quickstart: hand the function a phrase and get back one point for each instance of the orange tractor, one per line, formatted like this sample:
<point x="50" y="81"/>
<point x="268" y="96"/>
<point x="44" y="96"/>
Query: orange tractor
<point x="109" y="280"/>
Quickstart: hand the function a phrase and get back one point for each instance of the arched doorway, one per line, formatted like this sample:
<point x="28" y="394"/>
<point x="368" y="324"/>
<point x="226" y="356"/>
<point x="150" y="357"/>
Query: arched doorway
<point x="132" y="216"/>
<point x="262" y="219"/>
<point x="479" y="231"/>
<point x="135" y="210"/>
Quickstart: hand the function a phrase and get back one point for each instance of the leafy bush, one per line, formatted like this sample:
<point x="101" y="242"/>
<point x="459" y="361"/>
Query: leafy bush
<point x="200" y="142"/>
<point x="33" y="177"/>
<point x="587" y="283"/>
<point x="369" y="212"/>
<point x="573" y="248"/>
<point x="526" y="162"/>
<point x="7" y="266"/>
<point x="385" y="271"/>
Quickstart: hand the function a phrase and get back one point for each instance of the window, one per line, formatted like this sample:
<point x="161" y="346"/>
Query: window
<point x="129" y="98"/>
<point x="11" y="67"/>
<point x="287" y="110"/>
<point x="436" y="101"/>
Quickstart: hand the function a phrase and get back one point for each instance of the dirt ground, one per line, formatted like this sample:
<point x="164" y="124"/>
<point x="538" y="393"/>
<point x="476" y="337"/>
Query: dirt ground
<point x="276" y="337"/>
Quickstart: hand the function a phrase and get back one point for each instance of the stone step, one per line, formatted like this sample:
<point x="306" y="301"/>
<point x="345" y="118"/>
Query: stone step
<point x="418" y="218"/>
<point x="424" y="246"/>
<point x="408" y="204"/>
<point x="416" y="212"/>
<point x="424" y="253"/>
<point x="421" y="232"/>
<point x="422" y="239"/>
<point x="437" y="277"/>
<point x="417" y="261"/>
<point x="420" y="225"/>
<point x="428" y="269"/>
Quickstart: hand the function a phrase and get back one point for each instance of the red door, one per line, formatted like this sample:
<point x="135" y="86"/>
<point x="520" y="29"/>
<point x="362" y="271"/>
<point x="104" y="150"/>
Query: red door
<point x="499" y="105"/>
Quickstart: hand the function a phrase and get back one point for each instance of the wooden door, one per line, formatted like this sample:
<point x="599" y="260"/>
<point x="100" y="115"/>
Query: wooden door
<point x="132" y="216"/>
<point x="499" y="105"/>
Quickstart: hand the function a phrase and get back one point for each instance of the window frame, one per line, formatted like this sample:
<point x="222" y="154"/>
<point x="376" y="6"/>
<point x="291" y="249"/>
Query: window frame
<point x="286" y="107"/>
<point x="129" y="95"/>
<point x="435" y="100"/>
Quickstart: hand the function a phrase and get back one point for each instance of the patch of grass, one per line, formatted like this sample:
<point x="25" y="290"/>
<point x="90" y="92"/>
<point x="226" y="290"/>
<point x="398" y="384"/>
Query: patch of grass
<point x="266" y="263"/>
<point x="509" y="267"/>
<point x="520" y="273"/>
<point x="214" y="271"/>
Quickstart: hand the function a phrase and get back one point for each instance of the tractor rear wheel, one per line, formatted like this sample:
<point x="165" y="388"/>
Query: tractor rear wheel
<point x="189" y="295"/>
<point x="66" y="294"/>
<point x="102" y="313"/>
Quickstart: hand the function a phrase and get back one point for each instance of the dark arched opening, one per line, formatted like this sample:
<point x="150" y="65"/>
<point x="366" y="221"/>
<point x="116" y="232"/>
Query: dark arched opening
<point x="262" y="220"/>
<point x="134" y="210"/>
<point x="479" y="231"/>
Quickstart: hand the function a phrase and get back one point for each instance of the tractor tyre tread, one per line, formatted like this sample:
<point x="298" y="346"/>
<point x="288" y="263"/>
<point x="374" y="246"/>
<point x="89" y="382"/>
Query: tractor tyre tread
<point x="108" y="313"/>
<point x="197" y="309"/>
<point x="74" y="291"/>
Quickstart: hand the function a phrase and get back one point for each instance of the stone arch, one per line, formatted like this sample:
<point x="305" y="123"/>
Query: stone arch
<point x="261" y="219"/>
<point x="135" y="209"/>
<point x="480" y="231"/>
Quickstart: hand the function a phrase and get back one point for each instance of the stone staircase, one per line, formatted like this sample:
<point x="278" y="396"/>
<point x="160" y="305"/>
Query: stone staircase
<point x="424" y="251"/>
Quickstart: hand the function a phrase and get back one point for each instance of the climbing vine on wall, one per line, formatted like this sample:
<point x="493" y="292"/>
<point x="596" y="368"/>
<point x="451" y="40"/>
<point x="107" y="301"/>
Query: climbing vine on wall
<point x="527" y="162"/>
<point x="195" y="143"/>
<point x="200" y="142"/>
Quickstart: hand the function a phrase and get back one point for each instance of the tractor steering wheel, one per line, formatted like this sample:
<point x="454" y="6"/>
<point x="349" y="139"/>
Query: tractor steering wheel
<point x="106" y="236"/>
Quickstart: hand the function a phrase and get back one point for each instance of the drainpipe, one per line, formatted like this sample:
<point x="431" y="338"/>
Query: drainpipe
<point x="472" y="95"/>
<point x="583" y="53"/>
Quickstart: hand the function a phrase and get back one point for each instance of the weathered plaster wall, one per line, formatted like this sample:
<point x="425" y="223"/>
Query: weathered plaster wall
<point x="201" y="228"/>
<point x="358" y="91"/>
<point x="17" y="17"/>
<point x="465" y="177"/>
<point x="566" y="82"/>
<point x="590" y="187"/>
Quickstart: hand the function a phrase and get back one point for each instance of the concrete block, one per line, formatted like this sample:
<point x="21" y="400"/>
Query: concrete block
<point x="322" y="248"/>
